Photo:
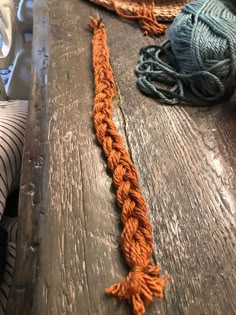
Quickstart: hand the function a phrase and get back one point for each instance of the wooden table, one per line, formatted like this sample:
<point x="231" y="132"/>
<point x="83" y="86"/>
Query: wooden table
<point x="68" y="245"/>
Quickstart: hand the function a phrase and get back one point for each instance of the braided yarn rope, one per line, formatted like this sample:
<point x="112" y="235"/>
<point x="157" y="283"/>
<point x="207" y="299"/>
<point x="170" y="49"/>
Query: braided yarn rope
<point x="143" y="282"/>
<point x="200" y="56"/>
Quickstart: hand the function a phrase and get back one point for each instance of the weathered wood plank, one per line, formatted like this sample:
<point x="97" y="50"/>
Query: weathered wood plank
<point x="82" y="257"/>
<point x="33" y="188"/>
<point x="186" y="160"/>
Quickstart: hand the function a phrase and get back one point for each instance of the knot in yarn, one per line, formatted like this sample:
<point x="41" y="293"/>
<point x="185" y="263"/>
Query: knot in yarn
<point x="140" y="286"/>
<point x="200" y="55"/>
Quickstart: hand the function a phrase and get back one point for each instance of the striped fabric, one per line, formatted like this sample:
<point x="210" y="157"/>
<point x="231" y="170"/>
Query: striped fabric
<point x="10" y="224"/>
<point x="13" y="115"/>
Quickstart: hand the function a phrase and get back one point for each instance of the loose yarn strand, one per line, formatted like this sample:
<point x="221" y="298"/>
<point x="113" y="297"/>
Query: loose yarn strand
<point x="146" y="18"/>
<point x="143" y="282"/>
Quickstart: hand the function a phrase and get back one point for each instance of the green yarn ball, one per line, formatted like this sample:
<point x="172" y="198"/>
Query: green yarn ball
<point x="201" y="55"/>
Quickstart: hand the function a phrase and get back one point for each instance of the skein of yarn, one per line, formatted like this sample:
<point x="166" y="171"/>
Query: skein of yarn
<point x="200" y="56"/>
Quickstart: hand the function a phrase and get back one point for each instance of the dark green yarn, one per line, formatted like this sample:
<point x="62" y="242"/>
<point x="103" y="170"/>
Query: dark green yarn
<point x="200" y="56"/>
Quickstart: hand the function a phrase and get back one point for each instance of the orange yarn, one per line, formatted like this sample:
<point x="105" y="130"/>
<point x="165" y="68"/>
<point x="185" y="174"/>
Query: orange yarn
<point x="143" y="282"/>
<point x="146" y="18"/>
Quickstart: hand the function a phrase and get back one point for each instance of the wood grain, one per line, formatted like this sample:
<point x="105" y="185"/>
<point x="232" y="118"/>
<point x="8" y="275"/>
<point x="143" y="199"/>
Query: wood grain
<point x="70" y="224"/>
<point x="33" y="188"/>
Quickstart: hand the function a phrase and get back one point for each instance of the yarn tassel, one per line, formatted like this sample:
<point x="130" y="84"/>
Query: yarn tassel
<point x="140" y="286"/>
<point x="146" y="18"/>
<point x="143" y="283"/>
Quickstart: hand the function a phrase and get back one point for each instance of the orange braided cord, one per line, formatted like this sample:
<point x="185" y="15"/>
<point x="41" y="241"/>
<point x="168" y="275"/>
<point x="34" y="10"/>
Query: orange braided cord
<point x="143" y="282"/>
<point x="146" y="18"/>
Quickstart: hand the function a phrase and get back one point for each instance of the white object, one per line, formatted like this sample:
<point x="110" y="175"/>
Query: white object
<point x="15" y="50"/>
<point x="11" y="36"/>
<point x="25" y="15"/>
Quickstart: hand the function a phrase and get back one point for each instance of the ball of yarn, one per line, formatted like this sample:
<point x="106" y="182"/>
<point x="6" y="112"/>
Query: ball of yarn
<point x="200" y="55"/>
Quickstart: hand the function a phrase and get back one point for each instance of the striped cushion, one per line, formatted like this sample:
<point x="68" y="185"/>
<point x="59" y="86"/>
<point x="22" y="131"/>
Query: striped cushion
<point x="13" y="115"/>
<point x="10" y="224"/>
<point x="7" y="277"/>
<point x="3" y="250"/>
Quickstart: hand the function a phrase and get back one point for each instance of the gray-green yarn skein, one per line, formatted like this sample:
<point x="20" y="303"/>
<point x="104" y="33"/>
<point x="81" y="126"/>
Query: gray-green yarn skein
<point x="200" y="55"/>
